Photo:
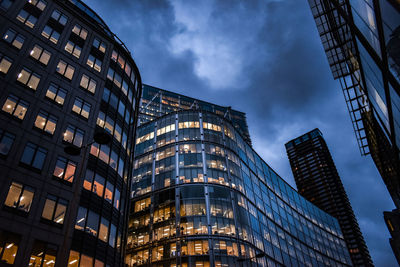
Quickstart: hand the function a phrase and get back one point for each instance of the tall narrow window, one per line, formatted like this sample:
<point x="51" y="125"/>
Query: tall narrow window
<point x="5" y="64"/>
<point x="40" y="54"/>
<point x="6" y="141"/>
<point x="14" y="38"/>
<point x="34" y="156"/>
<point x="9" y="243"/>
<point x="19" y="197"/>
<point x="65" y="169"/>
<point x="81" y="219"/>
<point x="43" y="254"/>
<point x="56" y="93"/>
<point x="74" y="135"/>
<point x="15" y="106"/>
<point x="81" y="107"/>
<point x="46" y="122"/>
<point x="65" y="69"/>
<point x="29" y="78"/>
<point x="103" y="231"/>
<point x="54" y="209"/>
<point x="88" y="83"/>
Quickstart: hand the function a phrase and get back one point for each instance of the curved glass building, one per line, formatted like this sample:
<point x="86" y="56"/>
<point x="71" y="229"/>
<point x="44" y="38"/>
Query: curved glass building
<point x="64" y="76"/>
<point x="201" y="196"/>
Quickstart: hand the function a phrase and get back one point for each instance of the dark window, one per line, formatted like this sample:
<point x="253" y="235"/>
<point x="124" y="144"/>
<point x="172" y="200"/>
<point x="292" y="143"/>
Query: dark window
<point x="34" y="155"/>
<point x="74" y="135"/>
<point x="14" y="38"/>
<point x="19" y="197"/>
<point x="51" y="34"/>
<point x="59" y="17"/>
<point x="40" y="54"/>
<point x="88" y="83"/>
<point x="46" y="122"/>
<point x="81" y="107"/>
<point x="27" y="18"/>
<point x="5" y="63"/>
<point x="100" y="45"/>
<point x="73" y="49"/>
<point x="29" y="78"/>
<point x="16" y="106"/>
<point x="54" y="209"/>
<point x="65" y="69"/>
<point x="5" y="4"/>
<point x="80" y="31"/>
<point x="65" y="169"/>
<point x="43" y="254"/>
<point x="6" y="141"/>
<point x="56" y="93"/>
<point x="9" y="243"/>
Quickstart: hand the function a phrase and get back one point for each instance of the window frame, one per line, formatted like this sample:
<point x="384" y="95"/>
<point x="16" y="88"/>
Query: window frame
<point x="58" y="89"/>
<point x="58" y="201"/>
<point x="41" y="53"/>
<point x="47" y="117"/>
<point x="81" y="107"/>
<point x="16" y="37"/>
<point x="35" y="149"/>
<point x="22" y="194"/>
<point x="66" y="169"/>
<point x="67" y="67"/>
<point x="90" y="83"/>
<point x="17" y="101"/>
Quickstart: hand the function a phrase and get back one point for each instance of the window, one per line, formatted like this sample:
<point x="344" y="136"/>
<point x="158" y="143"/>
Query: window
<point x="16" y="106"/>
<point x="19" y="197"/>
<point x="74" y="135"/>
<point x="92" y="224"/>
<point x="40" y="4"/>
<point x="5" y="4"/>
<point x="8" y="246"/>
<point x="88" y="83"/>
<point x="46" y="122"/>
<point x="29" y="78"/>
<point x="56" y="93"/>
<point x="103" y="231"/>
<point x="14" y="38"/>
<point x="81" y="107"/>
<point x="81" y="219"/>
<point x="59" y="17"/>
<point x="54" y="209"/>
<point x="34" y="155"/>
<point x="40" y="54"/>
<point x="94" y="62"/>
<point x="27" y="18"/>
<point x="65" y="169"/>
<point x="5" y="64"/>
<point x="51" y="34"/>
<point x="65" y="69"/>
<point x="6" y="141"/>
<point x="80" y="31"/>
<point x="73" y="49"/>
<point x="100" y="45"/>
<point x="43" y="254"/>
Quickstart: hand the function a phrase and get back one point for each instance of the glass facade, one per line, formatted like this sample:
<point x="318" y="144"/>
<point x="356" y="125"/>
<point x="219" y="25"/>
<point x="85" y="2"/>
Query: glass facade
<point x="201" y="196"/>
<point x="59" y="209"/>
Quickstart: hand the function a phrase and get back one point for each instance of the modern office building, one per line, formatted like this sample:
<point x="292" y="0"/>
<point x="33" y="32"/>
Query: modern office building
<point x="361" y="39"/>
<point x="201" y="196"/>
<point x="64" y="78"/>
<point x="318" y="181"/>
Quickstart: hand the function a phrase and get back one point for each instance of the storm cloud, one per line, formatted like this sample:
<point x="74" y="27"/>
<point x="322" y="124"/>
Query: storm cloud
<point x="264" y="58"/>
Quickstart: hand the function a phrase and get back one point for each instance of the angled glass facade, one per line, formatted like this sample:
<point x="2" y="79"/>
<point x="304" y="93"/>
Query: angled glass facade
<point x="64" y="76"/>
<point x="201" y="196"/>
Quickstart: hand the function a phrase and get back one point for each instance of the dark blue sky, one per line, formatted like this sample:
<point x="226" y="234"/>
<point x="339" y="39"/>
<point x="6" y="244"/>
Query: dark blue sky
<point x="264" y="58"/>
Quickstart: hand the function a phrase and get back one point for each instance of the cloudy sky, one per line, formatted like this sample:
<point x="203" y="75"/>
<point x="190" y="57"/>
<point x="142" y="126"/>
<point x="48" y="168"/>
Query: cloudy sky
<point x="264" y="58"/>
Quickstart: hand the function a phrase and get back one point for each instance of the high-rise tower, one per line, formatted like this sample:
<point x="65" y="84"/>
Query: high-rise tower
<point x="318" y="181"/>
<point x="64" y="78"/>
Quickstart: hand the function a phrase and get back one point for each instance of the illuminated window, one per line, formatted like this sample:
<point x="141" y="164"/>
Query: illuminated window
<point x="43" y="254"/>
<point x="40" y="54"/>
<point x="80" y="31"/>
<point x="59" y="17"/>
<point x="34" y="156"/>
<point x="19" y="197"/>
<point x="14" y="38"/>
<point x="5" y="64"/>
<point x="88" y="83"/>
<point x="81" y="219"/>
<point x="46" y="122"/>
<point x="64" y="169"/>
<point x="9" y="243"/>
<point x="6" y="141"/>
<point x="65" y="69"/>
<point x="103" y="231"/>
<point x="27" y="18"/>
<point x="94" y="62"/>
<point x="56" y="93"/>
<point x="74" y="135"/>
<point x="73" y="49"/>
<point x="54" y="209"/>
<point x="29" y="78"/>
<point x="100" y="45"/>
<point x="142" y="204"/>
<point x="51" y="34"/>
<point x="198" y="247"/>
<point x="40" y="4"/>
<point x="81" y="107"/>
